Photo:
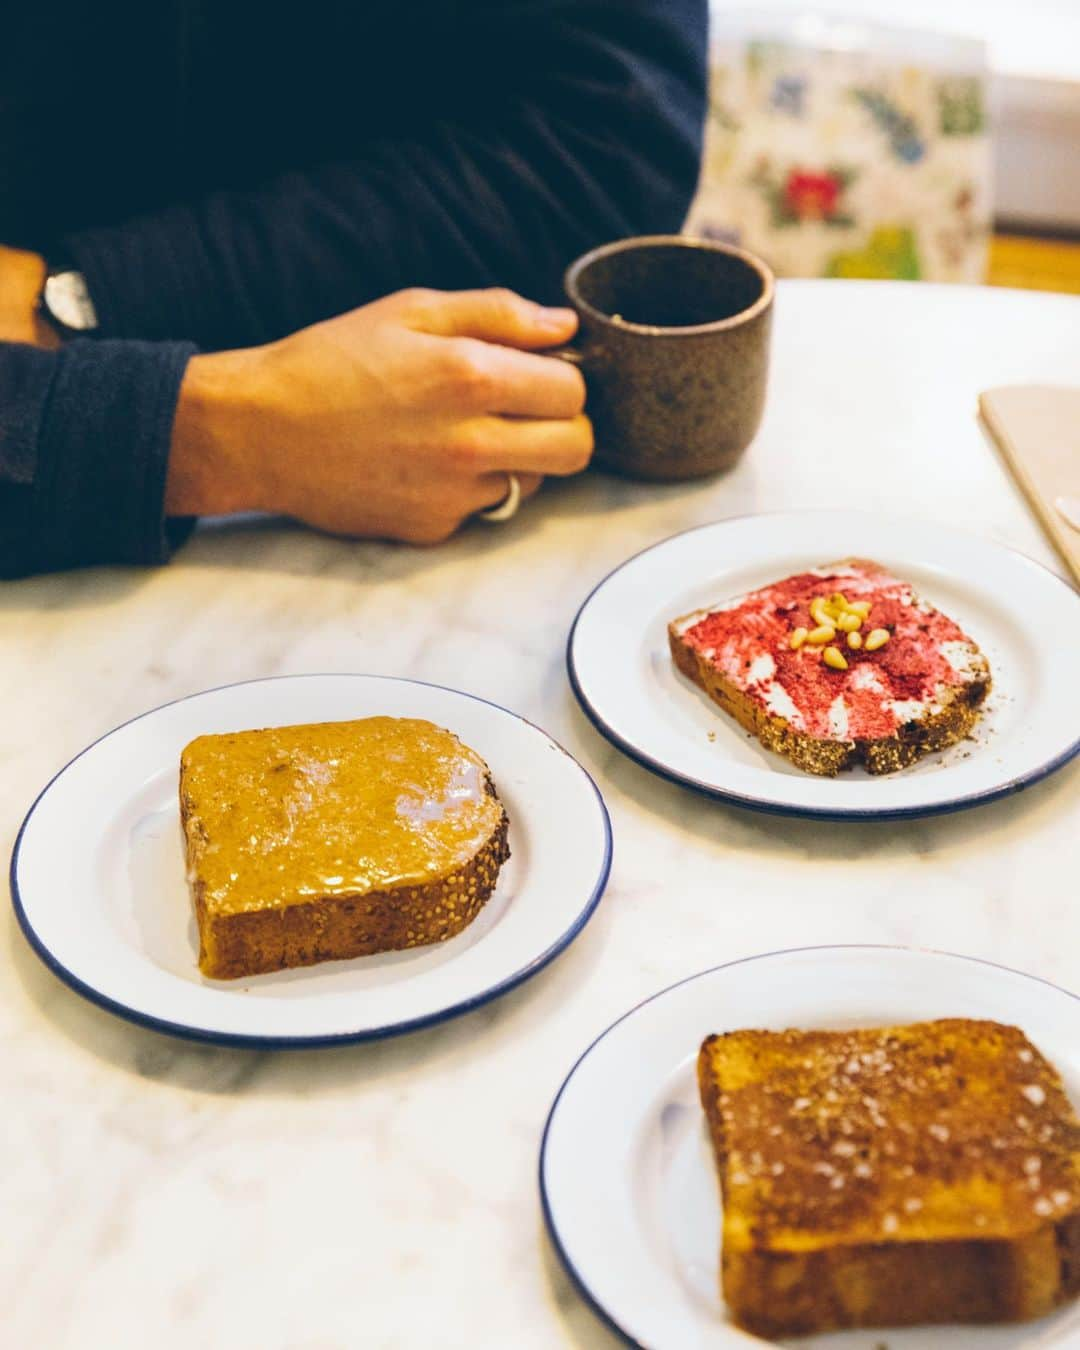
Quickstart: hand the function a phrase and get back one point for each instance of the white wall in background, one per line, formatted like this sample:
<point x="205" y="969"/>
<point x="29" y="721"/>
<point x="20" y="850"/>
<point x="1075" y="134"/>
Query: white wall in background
<point x="1033" y="38"/>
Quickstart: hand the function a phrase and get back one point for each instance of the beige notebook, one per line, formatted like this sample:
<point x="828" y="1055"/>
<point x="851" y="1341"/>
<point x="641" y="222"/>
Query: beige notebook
<point x="1037" y="430"/>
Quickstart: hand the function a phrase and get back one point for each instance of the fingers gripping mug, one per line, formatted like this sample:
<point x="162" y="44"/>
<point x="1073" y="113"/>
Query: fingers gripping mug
<point x="674" y="346"/>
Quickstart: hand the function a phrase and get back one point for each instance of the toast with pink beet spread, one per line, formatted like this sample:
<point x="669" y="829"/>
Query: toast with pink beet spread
<point x="839" y="665"/>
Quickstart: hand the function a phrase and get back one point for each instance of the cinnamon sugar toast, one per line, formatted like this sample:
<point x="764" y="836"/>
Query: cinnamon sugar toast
<point x="835" y="666"/>
<point x="915" y="1174"/>
<point x="317" y="843"/>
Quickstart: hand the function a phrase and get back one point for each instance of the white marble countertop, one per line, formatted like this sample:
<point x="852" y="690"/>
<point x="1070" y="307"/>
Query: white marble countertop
<point x="159" y="1193"/>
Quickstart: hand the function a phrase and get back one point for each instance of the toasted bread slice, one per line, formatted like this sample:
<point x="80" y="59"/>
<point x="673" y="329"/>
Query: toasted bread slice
<point x="317" y="843"/>
<point x="890" y="1177"/>
<point x="886" y="706"/>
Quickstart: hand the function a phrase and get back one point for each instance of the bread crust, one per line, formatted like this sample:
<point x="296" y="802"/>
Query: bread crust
<point x="916" y="1284"/>
<point x="956" y="718"/>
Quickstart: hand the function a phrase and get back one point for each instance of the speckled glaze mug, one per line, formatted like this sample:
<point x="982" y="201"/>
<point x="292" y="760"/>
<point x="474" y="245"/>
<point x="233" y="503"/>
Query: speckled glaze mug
<point x="674" y="346"/>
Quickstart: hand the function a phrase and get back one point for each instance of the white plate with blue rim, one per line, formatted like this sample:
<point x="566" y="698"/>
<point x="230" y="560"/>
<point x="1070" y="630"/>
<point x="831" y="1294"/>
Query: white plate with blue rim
<point x="627" y="1177"/>
<point x="98" y="878"/>
<point x="1024" y="618"/>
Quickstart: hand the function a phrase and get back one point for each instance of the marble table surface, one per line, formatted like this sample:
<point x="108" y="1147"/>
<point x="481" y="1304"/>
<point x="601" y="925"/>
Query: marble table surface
<point x="166" y="1194"/>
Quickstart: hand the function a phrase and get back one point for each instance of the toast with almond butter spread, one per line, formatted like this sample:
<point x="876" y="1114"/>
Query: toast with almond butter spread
<point x="321" y="842"/>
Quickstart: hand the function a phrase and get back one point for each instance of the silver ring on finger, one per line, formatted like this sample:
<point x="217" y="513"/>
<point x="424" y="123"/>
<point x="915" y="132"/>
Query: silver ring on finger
<point x="507" y="508"/>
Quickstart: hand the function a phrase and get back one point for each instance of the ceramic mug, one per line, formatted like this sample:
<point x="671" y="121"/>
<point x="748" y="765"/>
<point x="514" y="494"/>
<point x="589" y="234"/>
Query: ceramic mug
<point x="674" y="346"/>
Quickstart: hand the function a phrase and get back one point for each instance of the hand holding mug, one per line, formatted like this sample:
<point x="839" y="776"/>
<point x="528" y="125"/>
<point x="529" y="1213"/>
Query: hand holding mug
<point x="398" y="420"/>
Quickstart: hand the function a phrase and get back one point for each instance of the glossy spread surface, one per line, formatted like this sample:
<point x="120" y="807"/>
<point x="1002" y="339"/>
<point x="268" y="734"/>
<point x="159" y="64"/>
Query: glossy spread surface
<point x="289" y="814"/>
<point x="748" y="639"/>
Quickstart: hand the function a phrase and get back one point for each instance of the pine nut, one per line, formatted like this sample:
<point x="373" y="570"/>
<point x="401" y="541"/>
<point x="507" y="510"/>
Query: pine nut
<point x="819" y="612"/>
<point x="798" y="637"/>
<point x="833" y="656"/>
<point x="877" y="638"/>
<point x="817" y="637"/>
<point x="850" y="623"/>
<point x="854" y="641"/>
<point x="838" y="600"/>
<point x="859" y="607"/>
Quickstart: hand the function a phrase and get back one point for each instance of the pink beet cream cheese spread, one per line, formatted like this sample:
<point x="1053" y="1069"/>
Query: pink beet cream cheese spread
<point x="749" y="638"/>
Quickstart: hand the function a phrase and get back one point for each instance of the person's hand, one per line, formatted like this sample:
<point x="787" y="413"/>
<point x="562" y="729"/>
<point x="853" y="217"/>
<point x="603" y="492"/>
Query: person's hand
<point x="398" y="420"/>
<point x="22" y="276"/>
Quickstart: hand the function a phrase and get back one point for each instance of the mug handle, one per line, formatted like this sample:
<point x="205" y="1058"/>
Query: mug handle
<point x="591" y="360"/>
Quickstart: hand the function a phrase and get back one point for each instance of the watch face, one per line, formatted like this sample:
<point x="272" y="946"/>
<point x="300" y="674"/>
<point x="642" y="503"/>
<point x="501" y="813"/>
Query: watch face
<point x="68" y="301"/>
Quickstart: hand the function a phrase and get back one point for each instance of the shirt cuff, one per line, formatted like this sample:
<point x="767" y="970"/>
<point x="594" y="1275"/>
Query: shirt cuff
<point x="103" y="454"/>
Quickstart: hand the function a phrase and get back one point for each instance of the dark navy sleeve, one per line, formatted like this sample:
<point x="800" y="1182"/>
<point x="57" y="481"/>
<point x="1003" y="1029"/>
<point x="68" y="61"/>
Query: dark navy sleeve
<point x="84" y="446"/>
<point x="568" y="123"/>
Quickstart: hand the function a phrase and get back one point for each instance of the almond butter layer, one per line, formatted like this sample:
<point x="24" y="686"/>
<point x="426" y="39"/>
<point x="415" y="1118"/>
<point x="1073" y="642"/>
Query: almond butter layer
<point x="310" y="843"/>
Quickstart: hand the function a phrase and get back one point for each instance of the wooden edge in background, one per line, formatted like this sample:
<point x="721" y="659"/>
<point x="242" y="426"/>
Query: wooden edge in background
<point x="1018" y="423"/>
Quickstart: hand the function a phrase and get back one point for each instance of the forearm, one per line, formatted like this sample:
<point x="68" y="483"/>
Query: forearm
<point x="214" y="461"/>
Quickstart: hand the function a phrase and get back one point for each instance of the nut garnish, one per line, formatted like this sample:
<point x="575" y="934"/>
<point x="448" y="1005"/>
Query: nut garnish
<point x="819" y="611"/>
<point x="835" y="614"/>
<point x="834" y="657"/>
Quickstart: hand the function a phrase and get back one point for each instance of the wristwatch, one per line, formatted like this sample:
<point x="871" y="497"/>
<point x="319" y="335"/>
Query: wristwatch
<point x="65" y="302"/>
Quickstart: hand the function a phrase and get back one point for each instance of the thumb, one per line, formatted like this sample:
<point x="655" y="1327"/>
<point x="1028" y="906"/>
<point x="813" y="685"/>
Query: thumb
<point x="496" y="315"/>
